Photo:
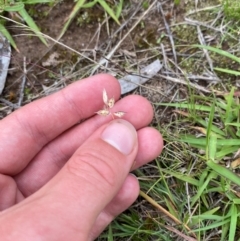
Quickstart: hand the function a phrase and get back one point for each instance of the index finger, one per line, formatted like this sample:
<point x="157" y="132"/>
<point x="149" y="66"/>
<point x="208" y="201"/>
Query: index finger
<point x="27" y="130"/>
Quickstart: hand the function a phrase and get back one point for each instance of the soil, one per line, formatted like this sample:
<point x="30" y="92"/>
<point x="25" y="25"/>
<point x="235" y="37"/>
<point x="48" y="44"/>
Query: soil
<point x="47" y="65"/>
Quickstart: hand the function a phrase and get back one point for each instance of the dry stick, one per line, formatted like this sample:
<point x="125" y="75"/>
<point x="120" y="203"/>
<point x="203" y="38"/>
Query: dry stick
<point x="180" y="81"/>
<point x="205" y="51"/>
<point x="23" y="82"/>
<point x="198" y="23"/>
<point x="219" y="16"/>
<point x="10" y="104"/>
<point x="169" y="33"/>
<point x="202" y="9"/>
<point x="106" y="59"/>
<point x="201" y="77"/>
<point x="164" y="57"/>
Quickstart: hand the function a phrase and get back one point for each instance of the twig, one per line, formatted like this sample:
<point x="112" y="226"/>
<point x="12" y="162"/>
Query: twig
<point x="205" y="51"/>
<point x="201" y="77"/>
<point x="202" y="9"/>
<point x="180" y="81"/>
<point x="169" y="33"/>
<point x="166" y="65"/>
<point x="10" y="104"/>
<point x="198" y="23"/>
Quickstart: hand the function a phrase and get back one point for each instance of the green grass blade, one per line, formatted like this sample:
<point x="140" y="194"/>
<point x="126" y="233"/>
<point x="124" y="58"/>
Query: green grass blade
<point x="212" y="148"/>
<point x="110" y="234"/>
<point x="204" y="217"/>
<point x="5" y="32"/>
<point x="119" y="9"/>
<point x="186" y="106"/>
<point x="210" y="121"/>
<point x="38" y="1"/>
<point x="213" y="127"/>
<point x="203" y="141"/>
<point x="233" y="223"/>
<point x="219" y="51"/>
<point x="225" y="151"/>
<point x="225" y="231"/>
<point x="228" y="71"/>
<point x="32" y="25"/>
<point x="212" y="226"/>
<point x="182" y="177"/>
<point x="73" y="13"/>
<point x="223" y="171"/>
<point x="236" y="201"/>
<point x="17" y="6"/>
<point x="90" y="4"/>
<point x="229" y="111"/>
<point x="202" y="188"/>
<point x="108" y="10"/>
<point x="233" y="124"/>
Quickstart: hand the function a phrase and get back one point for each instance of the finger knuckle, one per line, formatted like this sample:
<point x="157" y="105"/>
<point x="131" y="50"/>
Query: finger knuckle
<point x="96" y="167"/>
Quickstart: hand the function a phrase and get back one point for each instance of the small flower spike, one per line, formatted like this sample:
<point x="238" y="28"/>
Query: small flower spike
<point x="108" y="104"/>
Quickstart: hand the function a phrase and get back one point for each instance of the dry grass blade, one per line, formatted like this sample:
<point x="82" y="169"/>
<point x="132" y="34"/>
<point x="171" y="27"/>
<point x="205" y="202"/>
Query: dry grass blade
<point x="174" y="230"/>
<point x="163" y="210"/>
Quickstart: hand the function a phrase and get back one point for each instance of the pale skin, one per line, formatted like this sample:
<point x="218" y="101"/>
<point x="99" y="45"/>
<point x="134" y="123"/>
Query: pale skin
<point x="61" y="177"/>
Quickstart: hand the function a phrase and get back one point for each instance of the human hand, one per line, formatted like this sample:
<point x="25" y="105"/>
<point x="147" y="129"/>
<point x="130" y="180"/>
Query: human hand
<point x="61" y="180"/>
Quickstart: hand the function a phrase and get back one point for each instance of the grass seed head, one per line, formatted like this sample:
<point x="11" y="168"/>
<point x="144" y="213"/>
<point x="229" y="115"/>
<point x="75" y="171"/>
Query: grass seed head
<point x="111" y="103"/>
<point x="103" y="112"/>
<point x="105" y="97"/>
<point x="119" y="114"/>
<point x="108" y="104"/>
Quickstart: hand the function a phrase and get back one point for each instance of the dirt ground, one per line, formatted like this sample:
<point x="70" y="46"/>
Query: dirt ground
<point x="147" y="32"/>
<point x="50" y="68"/>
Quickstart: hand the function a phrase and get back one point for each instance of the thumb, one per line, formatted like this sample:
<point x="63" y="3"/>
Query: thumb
<point x="75" y="197"/>
<point x="97" y="170"/>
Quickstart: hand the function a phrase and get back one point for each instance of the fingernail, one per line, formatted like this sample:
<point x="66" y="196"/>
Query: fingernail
<point x="121" y="135"/>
